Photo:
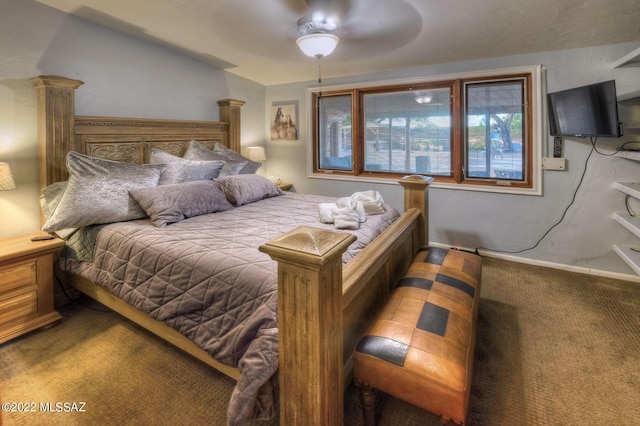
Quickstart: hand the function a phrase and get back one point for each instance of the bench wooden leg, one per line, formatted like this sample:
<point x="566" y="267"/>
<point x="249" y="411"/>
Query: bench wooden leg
<point x="368" y="400"/>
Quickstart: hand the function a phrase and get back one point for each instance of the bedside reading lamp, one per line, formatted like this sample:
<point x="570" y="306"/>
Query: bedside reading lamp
<point x="254" y="153"/>
<point x="6" y="178"/>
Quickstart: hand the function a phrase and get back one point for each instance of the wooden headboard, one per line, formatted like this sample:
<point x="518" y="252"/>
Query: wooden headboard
<point x="113" y="138"/>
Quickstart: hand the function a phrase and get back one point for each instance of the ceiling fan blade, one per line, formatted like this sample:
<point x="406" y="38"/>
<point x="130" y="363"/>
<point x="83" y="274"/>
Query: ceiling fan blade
<point x="300" y="7"/>
<point x="339" y="8"/>
<point x="335" y="10"/>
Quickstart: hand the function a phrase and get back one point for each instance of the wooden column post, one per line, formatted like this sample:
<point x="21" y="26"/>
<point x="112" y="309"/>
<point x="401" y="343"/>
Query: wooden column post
<point x="310" y="323"/>
<point x="56" y="124"/>
<point x="230" y="113"/>
<point x="416" y="196"/>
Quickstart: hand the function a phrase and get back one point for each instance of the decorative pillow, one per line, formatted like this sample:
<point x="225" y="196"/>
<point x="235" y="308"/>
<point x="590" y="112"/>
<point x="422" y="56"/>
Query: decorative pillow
<point x="49" y="199"/>
<point x="197" y="151"/>
<point x="251" y="166"/>
<point x="98" y="192"/>
<point x="167" y="204"/>
<point x="180" y="170"/>
<point x="245" y="189"/>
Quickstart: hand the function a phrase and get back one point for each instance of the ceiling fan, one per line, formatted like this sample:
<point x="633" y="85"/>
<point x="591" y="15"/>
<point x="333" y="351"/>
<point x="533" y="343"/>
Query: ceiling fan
<point x="318" y="29"/>
<point x="369" y="27"/>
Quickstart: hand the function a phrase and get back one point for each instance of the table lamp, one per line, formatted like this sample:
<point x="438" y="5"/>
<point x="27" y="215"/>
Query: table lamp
<point x="6" y="178"/>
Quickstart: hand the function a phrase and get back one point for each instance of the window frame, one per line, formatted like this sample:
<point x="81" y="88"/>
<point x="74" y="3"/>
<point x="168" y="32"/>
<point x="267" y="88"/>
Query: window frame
<point x="534" y="117"/>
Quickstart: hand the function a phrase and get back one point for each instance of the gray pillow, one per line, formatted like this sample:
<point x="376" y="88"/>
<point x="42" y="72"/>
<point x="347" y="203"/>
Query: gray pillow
<point x="49" y="200"/>
<point x="167" y="204"/>
<point x="251" y="166"/>
<point x="199" y="152"/>
<point x="245" y="189"/>
<point x="98" y="192"/>
<point x="180" y="170"/>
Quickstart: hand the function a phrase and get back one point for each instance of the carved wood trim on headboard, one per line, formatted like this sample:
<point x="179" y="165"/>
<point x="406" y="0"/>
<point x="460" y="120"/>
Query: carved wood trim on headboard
<point x="131" y="139"/>
<point x="120" y="139"/>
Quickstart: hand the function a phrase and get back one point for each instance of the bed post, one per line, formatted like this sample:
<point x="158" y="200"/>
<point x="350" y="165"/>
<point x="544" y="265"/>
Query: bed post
<point x="416" y="188"/>
<point x="230" y="113"/>
<point x="310" y="323"/>
<point x="56" y="124"/>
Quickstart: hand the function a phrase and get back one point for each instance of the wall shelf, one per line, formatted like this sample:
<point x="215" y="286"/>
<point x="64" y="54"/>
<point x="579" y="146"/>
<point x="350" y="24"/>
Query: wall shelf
<point x="632" y="258"/>
<point x="629" y="188"/>
<point x="629" y="107"/>
<point x="630" y="60"/>
<point x="629" y="155"/>
<point x="631" y="223"/>
<point x="630" y="97"/>
<point x="629" y="111"/>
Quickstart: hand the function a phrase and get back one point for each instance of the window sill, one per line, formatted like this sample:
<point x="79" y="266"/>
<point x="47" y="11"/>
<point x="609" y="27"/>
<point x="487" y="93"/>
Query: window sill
<point x="500" y="189"/>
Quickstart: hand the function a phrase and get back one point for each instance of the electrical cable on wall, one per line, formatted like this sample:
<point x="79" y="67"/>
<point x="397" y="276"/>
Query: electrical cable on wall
<point x="564" y="213"/>
<point x="593" y="149"/>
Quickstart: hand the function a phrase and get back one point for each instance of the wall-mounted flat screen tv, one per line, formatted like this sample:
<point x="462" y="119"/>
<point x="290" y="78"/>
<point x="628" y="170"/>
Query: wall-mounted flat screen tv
<point x="587" y="111"/>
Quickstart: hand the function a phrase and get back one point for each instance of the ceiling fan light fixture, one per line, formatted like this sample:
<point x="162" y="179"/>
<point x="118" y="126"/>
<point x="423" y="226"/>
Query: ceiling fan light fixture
<point x="423" y="99"/>
<point x="317" y="36"/>
<point x="317" y="45"/>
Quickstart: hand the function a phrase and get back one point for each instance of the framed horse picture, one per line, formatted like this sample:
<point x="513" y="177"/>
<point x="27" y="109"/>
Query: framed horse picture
<point x="284" y="120"/>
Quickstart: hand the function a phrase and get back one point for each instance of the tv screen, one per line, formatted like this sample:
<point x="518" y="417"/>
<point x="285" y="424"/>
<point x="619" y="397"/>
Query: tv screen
<point x="587" y="111"/>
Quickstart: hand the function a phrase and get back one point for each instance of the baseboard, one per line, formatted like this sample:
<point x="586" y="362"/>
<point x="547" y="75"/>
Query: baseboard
<point x="553" y="265"/>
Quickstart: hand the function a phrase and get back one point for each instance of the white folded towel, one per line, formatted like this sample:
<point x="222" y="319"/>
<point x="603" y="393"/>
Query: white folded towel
<point x="371" y="200"/>
<point x="346" y="218"/>
<point x="325" y="212"/>
<point x="349" y="212"/>
<point x="348" y="202"/>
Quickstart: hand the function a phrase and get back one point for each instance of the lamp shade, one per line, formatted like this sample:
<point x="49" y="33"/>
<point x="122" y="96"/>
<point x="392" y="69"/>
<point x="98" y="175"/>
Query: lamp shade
<point x="6" y="178"/>
<point x="317" y="45"/>
<point x="254" y="153"/>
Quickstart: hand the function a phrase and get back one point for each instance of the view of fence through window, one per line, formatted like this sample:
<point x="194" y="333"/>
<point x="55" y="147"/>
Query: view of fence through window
<point x="494" y="129"/>
<point x="335" y="133"/>
<point x="409" y="130"/>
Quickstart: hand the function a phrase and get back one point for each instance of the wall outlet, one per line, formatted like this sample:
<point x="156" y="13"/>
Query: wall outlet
<point x="552" y="163"/>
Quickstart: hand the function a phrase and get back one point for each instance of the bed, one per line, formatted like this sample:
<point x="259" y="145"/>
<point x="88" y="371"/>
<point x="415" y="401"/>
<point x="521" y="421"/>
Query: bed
<point x="321" y="302"/>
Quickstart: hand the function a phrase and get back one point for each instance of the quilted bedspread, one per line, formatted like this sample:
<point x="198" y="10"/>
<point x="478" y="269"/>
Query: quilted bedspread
<point x="206" y="278"/>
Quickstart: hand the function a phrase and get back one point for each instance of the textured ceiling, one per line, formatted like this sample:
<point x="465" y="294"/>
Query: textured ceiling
<point x="256" y="38"/>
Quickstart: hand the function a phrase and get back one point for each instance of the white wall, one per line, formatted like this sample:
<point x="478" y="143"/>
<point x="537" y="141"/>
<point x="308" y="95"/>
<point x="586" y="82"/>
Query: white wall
<point x="503" y="222"/>
<point x="123" y="77"/>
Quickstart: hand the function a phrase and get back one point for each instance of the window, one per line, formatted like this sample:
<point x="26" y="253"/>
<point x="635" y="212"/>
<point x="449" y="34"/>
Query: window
<point x="408" y="131"/>
<point x="471" y="130"/>
<point x="335" y="143"/>
<point x="494" y="130"/>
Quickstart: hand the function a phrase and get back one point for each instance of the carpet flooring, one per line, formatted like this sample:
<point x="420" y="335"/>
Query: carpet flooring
<point x="553" y="348"/>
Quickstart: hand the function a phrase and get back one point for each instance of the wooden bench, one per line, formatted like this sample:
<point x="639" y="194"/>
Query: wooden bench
<point x="420" y="347"/>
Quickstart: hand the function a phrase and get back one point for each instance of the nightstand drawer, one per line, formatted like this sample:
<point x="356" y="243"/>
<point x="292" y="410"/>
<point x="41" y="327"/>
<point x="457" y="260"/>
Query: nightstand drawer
<point x="19" y="306"/>
<point x="18" y="275"/>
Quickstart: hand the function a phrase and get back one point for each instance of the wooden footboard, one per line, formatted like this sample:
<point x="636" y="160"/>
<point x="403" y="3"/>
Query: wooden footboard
<point x="323" y="310"/>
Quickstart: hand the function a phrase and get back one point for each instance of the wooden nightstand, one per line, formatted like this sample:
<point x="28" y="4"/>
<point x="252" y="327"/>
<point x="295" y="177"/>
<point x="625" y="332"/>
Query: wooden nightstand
<point x="26" y="284"/>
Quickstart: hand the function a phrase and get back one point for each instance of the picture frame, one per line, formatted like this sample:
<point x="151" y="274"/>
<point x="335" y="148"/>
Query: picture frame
<point x="284" y="120"/>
